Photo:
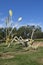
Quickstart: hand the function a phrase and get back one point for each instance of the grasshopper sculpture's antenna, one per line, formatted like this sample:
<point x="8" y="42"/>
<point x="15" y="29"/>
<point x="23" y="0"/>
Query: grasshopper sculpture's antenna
<point x="8" y="19"/>
<point x="8" y="24"/>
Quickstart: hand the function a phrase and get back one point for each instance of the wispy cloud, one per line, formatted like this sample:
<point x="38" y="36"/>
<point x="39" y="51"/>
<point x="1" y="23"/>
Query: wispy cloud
<point x="2" y="19"/>
<point x="36" y="22"/>
<point x="1" y="25"/>
<point x="3" y="22"/>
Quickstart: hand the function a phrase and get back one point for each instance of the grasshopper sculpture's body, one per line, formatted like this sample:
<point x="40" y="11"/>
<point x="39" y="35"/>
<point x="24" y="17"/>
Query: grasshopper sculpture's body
<point x="24" y="42"/>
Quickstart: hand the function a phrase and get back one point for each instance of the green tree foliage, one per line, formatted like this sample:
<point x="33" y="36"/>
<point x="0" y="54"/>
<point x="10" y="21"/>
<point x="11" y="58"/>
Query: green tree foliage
<point x="24" y="31"/>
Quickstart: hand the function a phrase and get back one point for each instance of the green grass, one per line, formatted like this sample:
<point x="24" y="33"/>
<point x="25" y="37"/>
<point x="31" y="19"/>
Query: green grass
<point x="38" y="40"/>
<point x="12" y="48"/>
<point x="32" y="57"/>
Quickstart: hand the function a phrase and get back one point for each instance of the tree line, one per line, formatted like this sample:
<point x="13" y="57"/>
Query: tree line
<point x="24" y="31"/>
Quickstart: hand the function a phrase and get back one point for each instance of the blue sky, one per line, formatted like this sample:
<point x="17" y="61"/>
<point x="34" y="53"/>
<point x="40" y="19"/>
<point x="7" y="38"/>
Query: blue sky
<point x="30" y="10"/>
